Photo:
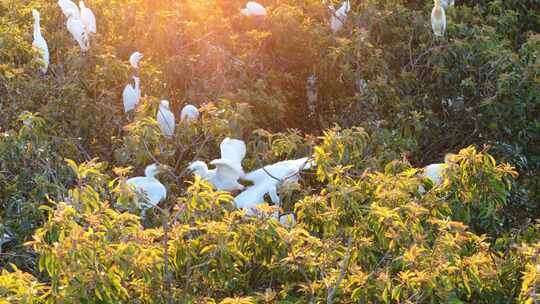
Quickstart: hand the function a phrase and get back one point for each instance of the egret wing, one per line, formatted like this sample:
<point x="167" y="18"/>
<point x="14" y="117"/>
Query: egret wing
<point x="155" y="192"/>
<point x="166" y="122"/>
<point x="129" y="97"/>
<point x="252" y="196"/>
<point x="233" y="150"/>
<point x="226" y="170"/>
<point x="89" y="19"/>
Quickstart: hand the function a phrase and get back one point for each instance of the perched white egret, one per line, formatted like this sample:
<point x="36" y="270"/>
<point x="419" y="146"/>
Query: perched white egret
<point x="66" y="5"/>
<point x="165" y="119"/>
<point x="267" y="180"/>
<point x="253" y="9"/>
<point x="88" y="19"/>
<point x="435" y="173"/>
<point x="39" y="43"/>
<point x="338" y="18"/>
<point x="131" y="95"/>
<point x="228" y="168"/>
<point x="76" y="28"/>
<point x="149" y="186"/>
<point x="438" y="19"/>
<point x="189" y="112"/>
<point x="134" y="59"/>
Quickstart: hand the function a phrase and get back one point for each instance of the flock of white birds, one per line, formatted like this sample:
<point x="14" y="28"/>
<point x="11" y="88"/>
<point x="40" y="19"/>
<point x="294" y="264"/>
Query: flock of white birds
<point x="228" y="170"/>
<point x="226" y="176"/>
<point x="81" y="23"/>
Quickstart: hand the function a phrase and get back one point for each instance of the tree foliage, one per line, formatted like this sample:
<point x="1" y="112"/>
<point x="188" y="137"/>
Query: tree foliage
<point x="370" y="228"/>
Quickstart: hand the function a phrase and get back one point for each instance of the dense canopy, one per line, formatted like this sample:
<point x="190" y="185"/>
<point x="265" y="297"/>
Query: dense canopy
<point x="369" y="94"/>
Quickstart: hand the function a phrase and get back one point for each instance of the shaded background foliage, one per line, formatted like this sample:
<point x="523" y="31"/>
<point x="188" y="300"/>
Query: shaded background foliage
<point x="425" y="97"/>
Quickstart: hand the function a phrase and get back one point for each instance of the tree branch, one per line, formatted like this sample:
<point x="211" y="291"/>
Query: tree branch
<point x="343" y="271"/>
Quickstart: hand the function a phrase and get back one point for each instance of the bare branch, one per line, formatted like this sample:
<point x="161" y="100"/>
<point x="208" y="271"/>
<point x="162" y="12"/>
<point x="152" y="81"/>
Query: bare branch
<point x="343" y="271"/>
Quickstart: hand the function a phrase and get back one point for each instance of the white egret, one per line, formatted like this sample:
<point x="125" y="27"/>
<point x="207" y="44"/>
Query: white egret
<point x="434" y="172"/>
<point x="88" y="19"/>
<point x="66" y="5"/>
<point x="131" y="95"/>
<point x="149" y="186"/>
<point x="438" y="19"/>
<point x="76" y="28"/>
<point x="134" y="59"/>
<point x="279" y="170"/>
<point x="165" y="119"/>
<point x="228" y="168"/>
<point x="189" y="112"/>
<point x="267" y="180"/>
<point x="253" y="9"/>
<point x="338" y="18"/>
<point x="39" y="43"/>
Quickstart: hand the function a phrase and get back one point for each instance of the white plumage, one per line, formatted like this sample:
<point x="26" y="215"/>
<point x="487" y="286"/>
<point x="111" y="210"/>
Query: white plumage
<point x="228" y="168"/>
<point x="338" y="18"/>
<point x="438" y="19"/>
<point x="149" y="186"/>
<point x="288" y="220"/>
<point x="87" y="17"/>
<point x="135" y="58"/>
<point x="76" y="28"/>
<point x="66" y="6"/>
<point x="253" y="9"/>
<point x="39" y="43"/>
<point x="434" y="172"/>
<point x="267" y="180"/>
<point x="165" y="119"/>
<point x="189" y="112"/>
<point x="131" y="95"/>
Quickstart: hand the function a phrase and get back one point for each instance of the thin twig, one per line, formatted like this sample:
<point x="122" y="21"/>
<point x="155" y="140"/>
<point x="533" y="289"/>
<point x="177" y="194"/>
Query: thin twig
<point x="303" y="272"/>
<point x="167" y="275"/>
<point x="343" y="271"/>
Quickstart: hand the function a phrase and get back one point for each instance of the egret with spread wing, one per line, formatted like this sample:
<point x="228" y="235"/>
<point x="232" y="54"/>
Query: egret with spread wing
<point x="66" y="5"/>
<point x="88" y="19"/>
<point x="76" y="29"/>
<point x="267" y="180"/>
<point x="339" y="17"/>
<point x="228" y="168"/>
